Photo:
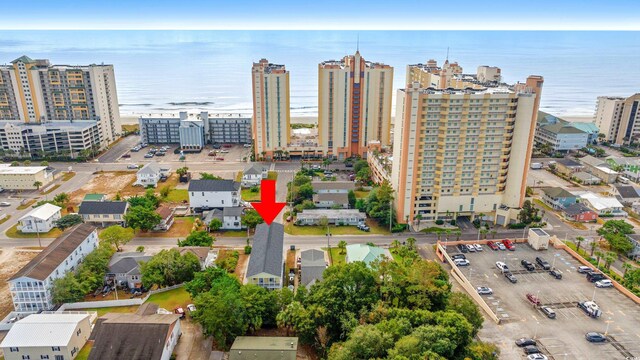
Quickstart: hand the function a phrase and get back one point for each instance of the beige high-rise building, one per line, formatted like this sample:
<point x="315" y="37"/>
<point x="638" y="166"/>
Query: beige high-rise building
<point x="618" y="118"/>
<point x="354" y="105"/>
<point x="271" y="109"/>
<point x="462" y="146"/>
<point x="35" y="91"/>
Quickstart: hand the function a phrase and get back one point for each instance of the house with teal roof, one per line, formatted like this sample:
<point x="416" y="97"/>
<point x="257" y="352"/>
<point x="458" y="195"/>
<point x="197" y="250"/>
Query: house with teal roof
<point x="366" y="253"/>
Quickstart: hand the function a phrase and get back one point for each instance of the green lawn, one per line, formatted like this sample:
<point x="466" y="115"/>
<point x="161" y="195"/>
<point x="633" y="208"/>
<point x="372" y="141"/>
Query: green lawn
<point x="171" y="299"/>
<point x="51" y="189"/>
<point x="26" y="205"/>
<point x="5" y="219"/>
<point x="361" y="194"/>
<point x="177" y="196"/>
<point x="113" y="309"/>
<point x="68" y="175"/>
<point x="13" y="232"/>
<point x="376" y="229"/>
<point x="248" y="195"/>
<point x="84" y="353"/>
<point x="545" y="206"/>
<point x="336" y="256"/>
<point x="272" y="175"/>
<point x="232" y="233"/>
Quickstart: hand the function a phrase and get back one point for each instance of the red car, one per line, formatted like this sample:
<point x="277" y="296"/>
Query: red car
<point x="220" y="159"/>
<point x="508" y="244"/>
<point x="226" y="146"/>
<point x="533" y="299"/>
<point x="179" y="311"/>
<point x="492" y="245"/>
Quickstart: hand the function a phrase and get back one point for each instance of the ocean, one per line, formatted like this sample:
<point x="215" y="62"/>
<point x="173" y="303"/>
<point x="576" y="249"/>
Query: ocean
<point x="169" y="71"/>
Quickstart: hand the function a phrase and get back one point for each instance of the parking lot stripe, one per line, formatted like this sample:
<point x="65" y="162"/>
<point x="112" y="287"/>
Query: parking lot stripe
<point x="623" y="314"/>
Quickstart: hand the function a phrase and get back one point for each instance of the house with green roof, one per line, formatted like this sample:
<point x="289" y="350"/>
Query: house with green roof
<point x="94" y="197"/>
<point x="366" y="253"/>
<point x="560" y="135"/>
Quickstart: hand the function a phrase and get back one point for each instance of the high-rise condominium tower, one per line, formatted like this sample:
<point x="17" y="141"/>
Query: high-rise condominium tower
<point x="354" y="105"/>
<point x="271" y="114"/>
<point x="35" y="91"/>
<point x="619" y="118"/>
<point x="462" y="143"/>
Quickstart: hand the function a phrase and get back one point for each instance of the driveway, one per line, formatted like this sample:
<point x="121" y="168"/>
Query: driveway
<point x="192" y="344"/>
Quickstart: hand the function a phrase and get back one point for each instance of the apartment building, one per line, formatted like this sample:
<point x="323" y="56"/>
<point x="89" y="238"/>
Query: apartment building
<point x="34" y="91"/>
<point x="31" y="286"/>
<point x="354" y="105"/>
<point x="51" y="137"/>
<point x="462" y="146"/>
<point x="271" y="108"/>
<point x="618" y="118"/>
<point x="193" y="131"/>
<point x="24" y="177"/>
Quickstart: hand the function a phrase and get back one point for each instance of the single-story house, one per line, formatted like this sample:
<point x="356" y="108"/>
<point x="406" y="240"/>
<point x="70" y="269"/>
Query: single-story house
<point x="585" y="178"/>
<point x="627" y="194"/>
<point x="568" y="167"/>
<point x="603" y="206"/>
<point x="312" y="265"/>
<point x="124" y="268"/>
<point x="331" y="200"/>
<point x="205" y="255"/>
<point x="264" y="348"/>
<point x="599" y="168"/>
<point x="40" y="220"/>
<point x="104" y="213"/>
<point x="166" y="215"/>
<point x="334" y="216"/>
<point x="230" y="217"/>
<point x="265" y="267"/>
<point x="47" y="336"/>
<point x="150" y="174"/>
<point x="557" y="197"/>
<point x="579" y="212"/>
<point x="253" y="175"/>
<point x="366" y="253"/>
<point x="145" y="335"/>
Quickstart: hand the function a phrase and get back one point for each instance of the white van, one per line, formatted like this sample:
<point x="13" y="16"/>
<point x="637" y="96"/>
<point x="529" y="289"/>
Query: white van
<point x="623" y="180"/>
<point x="502" y="266"/>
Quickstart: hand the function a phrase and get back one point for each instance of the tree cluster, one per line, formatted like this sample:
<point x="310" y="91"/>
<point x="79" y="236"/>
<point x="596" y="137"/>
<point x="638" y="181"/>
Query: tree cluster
<point x="197" y="238"/>
<point x="88" y="277"/>
<point x="116" y="235"/>
<point x="142" y="213"/>
<point x="68" y="221"/>
<point x="615" y="232"/>
<point x="528" y="214"/>
<point x="168" y="268"/>
<point x="378" y="204"/>
<point x="363" y="172"/>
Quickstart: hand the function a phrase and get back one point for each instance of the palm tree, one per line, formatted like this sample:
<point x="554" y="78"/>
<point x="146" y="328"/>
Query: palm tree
<point x="579" y="239"/>
<point x="457" y="233"/>
<point x="342" y="245"/>
<point x="609" y="258"/>
<point x="182" y="171"/>
<point x="395" y="244"/>
<point x="626" y="267"/>
<point x="62" y="198"/>
<point x="411" y="242"/>
<point x="493" y="234"/>
<point x="37" y="184"/>
<point x="599" y="254"/>
<point x="593" y="246"/>
<point x="27" y="162"/>
<point x="447" y="232"/>
<point x="418" y="218"/>
<point x="484" y="232"/>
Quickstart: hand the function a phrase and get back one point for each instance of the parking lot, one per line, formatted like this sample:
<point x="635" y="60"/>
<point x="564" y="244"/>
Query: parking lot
<point x="563" y="337"/>
<point x="233" y="153"/>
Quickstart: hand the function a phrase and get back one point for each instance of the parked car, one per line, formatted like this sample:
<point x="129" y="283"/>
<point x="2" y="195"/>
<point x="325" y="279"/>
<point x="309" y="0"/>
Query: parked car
<point x="551" y="314"/>
<point x="502" y="266"/>
<point x="531" y="349"/>
<point x="483" y="290"/>
<point x="510" y="277"/>
<point x="543" y="263"/>
<point x="584" y="269"/>
<point x="179" y="311"/>
<point x="461" y="262"/>
<point x="537" y="356"/>
<point x="595" y="337"/>
<point x="556" y="274"/>
<point x="160" y="153"/>
<point x="533" y="299"/>
<point x="126" y="156"/>
<point x="220" y="159"/>
<point x="463" y="248"/>
<point x="605" y="283"/>
<point x="148" y="155"/>
<point x="132" y="166"/>
<point x="478" y="247"/>
<point x="501" y="246"/>
<point x="5" y="204"/>
<point x="492" y="246"/>
<point x="191" y="308"/>
<point x="246" y="145"/>
<point x="216" y="146"/>
<point x="458" y="256"/>
<point x="227" y="146"/>
<point x="595" y="276"/>
<point x="527" y="265"/>
<point x="363" y="227"/>
<point x="224" y="151"/>
<point x="509" y="245"/>
<point x="471" y="248"/>
<point x="525" y="342"/>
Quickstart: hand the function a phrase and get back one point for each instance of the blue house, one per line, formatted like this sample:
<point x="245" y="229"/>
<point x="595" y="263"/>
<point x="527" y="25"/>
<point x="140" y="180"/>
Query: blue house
<point x="557" y="197"/>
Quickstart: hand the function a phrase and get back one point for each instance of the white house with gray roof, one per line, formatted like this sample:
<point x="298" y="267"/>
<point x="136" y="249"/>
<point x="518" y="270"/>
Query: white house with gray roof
<point x="265" y="267"/>
<point x="210" y="194"/>
<point x="253" y="174"/>
<point x="104" y="213"/>
<point x="124" y="268"/>
<point x="231" y="217"/>
<point x="40" y="220"/>
<point x="150" y="174"/>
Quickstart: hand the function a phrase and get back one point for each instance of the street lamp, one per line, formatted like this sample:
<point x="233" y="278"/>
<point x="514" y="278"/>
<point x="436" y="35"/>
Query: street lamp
<point x="35" y="222"/>
<point x="609" y="321"/>
<point x="535" y="333"/>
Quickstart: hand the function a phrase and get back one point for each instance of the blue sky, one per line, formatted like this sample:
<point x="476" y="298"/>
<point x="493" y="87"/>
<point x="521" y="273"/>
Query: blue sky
<point x="326" y="14"/>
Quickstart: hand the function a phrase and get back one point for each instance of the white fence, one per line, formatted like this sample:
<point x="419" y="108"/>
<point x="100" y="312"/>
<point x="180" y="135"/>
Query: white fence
<point x="115" y="303"/>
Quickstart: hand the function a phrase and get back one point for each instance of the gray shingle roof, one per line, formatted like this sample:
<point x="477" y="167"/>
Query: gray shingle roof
<point x="266" y="255"/>
<point x="312" y="266"/>
<point x="213" y="185"/>
<point x="627" y="192"/>
<point x="128" y="265"/>
<point x="232" y="211"/>
<point x="568" y="162"/>
<point x="102" y="207"/>
<point x="576" y="209"/>
<point x="333" y="185"/>
<point x="253" y="169"/>
<point x="557" y="192"/>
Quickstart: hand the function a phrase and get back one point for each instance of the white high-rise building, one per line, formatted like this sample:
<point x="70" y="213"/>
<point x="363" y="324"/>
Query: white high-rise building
<point x="619" y="118"/>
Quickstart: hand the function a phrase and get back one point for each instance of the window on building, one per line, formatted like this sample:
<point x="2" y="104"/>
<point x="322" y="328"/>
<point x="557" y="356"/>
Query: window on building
<point x="55" y="348"/>
<point x="14" y="349"/>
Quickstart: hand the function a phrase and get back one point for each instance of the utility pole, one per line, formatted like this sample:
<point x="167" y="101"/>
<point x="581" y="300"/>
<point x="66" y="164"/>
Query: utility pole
<point x="390" y="214"/>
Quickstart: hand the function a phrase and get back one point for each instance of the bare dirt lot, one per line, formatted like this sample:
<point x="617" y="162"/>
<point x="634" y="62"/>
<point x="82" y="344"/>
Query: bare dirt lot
<point x="109" y="183"/>
<point x="11" y="260"/>
<point x="563" y="337"/>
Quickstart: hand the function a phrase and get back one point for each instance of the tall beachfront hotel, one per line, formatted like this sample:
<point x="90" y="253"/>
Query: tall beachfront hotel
<point x="34" y="91"/>
<point x="619" y="118"/>
<point x="462" y="143"/>
<point x="354" y="105"/>
<point x="271" y="109"/>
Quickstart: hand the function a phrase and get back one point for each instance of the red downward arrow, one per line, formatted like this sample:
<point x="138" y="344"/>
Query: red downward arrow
<point x="268" y="208"/>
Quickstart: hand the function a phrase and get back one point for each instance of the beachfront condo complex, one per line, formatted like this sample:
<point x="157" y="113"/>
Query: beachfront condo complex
<point x="618" y="118"/>
<point x="271" y="113"/>
<point x="354" y="105"/>
<point x="462" y="143"/>
<point x="34" y="91"/>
